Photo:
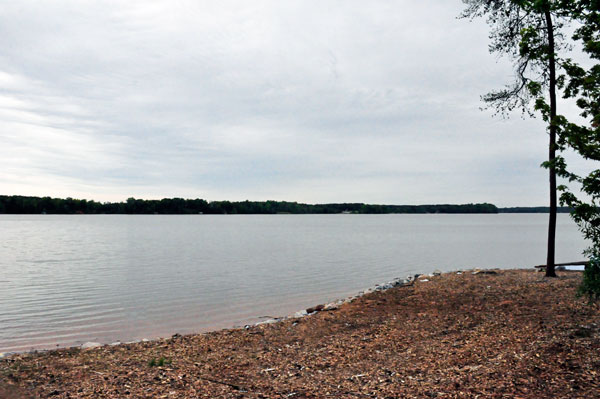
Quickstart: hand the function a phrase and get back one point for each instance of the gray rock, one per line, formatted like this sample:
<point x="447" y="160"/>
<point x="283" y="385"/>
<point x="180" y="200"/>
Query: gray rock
<point x="269" y="321"/>
<point x="91" y="345"/>
<point x="484" y="272"/>
<point x="300" y="313"/>
<point x="315" y="309"/>
<point x="577" y="268"/>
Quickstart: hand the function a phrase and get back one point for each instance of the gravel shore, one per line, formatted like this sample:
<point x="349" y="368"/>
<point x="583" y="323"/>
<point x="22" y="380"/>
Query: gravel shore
<point x="493" y="334"/>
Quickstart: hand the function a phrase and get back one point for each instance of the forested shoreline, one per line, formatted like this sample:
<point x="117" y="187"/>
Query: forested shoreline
<point x="17" y="204"/>
<point x="533" y="209"/>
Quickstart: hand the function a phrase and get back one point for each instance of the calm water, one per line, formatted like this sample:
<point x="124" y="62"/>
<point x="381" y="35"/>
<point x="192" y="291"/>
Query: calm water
<point x="65" y="280"/>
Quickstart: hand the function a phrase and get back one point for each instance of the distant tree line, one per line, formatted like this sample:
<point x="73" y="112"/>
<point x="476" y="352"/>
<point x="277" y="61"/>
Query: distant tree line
<point x="16" y="204"/>
<point x="534" y="209"/>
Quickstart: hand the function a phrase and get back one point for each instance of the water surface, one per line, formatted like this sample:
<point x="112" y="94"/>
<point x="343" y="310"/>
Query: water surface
<point x="68" y="279"/>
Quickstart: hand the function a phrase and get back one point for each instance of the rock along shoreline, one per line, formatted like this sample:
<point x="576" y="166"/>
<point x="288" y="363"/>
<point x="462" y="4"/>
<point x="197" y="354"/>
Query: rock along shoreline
<point x="482" y="333"/>
<point x="397" y="282"/>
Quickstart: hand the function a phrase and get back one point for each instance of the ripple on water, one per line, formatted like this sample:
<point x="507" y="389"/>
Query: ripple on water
<point x="72" y="279"/>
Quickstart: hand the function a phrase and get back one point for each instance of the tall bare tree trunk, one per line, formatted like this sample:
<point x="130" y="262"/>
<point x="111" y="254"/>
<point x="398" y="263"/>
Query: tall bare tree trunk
<point x="550" y="272"/>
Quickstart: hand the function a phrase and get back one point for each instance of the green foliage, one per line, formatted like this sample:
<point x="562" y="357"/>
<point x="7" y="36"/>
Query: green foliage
<point x="590" y="285"/>
<point x="583" y="85"/>
<point x="160" y="362"/>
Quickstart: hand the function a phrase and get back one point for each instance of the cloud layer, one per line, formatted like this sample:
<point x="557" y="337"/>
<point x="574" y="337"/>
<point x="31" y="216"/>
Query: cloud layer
<point x="312" y="101"/>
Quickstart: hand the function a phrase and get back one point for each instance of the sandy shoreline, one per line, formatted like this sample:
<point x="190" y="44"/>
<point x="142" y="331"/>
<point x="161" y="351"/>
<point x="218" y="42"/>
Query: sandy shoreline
<point x="248" y="322"/>
<point x="508" y="334"/>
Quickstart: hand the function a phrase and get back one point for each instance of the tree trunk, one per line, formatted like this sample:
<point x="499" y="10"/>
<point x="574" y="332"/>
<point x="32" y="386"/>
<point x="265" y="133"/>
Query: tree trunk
<point x="550" y="272"/>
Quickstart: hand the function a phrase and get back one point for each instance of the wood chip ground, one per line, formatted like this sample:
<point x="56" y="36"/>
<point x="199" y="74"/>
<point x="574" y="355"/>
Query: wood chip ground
<point x="514" y="334"/>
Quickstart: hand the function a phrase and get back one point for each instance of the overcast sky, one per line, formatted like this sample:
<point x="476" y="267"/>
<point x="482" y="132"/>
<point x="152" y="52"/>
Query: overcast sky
<point x="310" y="101"/>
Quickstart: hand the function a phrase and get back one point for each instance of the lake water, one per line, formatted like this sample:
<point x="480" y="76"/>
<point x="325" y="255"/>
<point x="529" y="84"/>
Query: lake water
<point x="68" y="279"/>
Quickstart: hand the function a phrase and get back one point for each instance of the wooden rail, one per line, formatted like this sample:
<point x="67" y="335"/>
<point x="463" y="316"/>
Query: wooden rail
<point x="582" y="263"/>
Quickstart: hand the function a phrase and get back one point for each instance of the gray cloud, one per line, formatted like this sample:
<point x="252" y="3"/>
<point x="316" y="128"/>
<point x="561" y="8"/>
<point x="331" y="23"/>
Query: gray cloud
<point x="297" y="100"/>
